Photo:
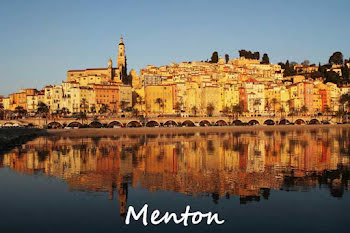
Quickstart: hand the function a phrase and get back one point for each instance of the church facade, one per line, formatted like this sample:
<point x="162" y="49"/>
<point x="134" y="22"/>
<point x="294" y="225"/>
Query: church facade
<point x="105" y="76"/>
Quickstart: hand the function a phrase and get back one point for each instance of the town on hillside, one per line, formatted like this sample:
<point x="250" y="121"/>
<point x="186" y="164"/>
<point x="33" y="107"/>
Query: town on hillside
<point x="246" y="86"/>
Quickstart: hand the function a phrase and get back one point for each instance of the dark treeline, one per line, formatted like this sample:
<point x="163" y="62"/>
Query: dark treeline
<point x="324" y="71"/>
<point x="242" y="53"/>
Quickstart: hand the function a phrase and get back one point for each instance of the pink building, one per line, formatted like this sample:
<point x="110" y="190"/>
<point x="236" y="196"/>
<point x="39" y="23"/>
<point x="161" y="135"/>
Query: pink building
<point x="308" y="96"/>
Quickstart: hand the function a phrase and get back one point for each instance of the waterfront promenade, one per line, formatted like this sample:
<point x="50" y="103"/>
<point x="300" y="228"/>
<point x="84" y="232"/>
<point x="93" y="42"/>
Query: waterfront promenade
<point x="204" y="121"/>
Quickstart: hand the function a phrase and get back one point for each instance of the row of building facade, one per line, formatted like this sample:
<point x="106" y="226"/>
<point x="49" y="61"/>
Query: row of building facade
<point x="188" y="88"/>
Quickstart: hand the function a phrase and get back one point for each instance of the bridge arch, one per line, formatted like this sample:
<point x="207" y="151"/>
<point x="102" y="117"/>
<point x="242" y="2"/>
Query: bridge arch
<point x="115" y="124"/>
<point x="95" y="124"/>
<point x="253" y="122"/>
<point x="325" y="122"/>
<point x="221" y="123"/>
<point x="188" y="123"/>
<point x="170" y="123"/>
<point x="74" y="124"/>
<point x="314" y="122"/>
<point x="300" y="122"/>
<point x="269" y="122"/>
<point x="54" y="125"/>
<point x="152" y="123"/>
<point x="204" y="123"/>
<point x="237" y="122"/>
<point x="133" y="124"/>
<point x="284" y="122"/>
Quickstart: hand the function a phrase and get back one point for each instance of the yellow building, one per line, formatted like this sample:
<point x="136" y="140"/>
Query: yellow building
<point x="102" y="75"/>
<point x="229" y="95"/>
<point x="159" y="99"/>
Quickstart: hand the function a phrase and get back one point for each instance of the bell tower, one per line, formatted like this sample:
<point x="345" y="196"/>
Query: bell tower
<point x="121" y="54"/>
<point x="121" y="60"/>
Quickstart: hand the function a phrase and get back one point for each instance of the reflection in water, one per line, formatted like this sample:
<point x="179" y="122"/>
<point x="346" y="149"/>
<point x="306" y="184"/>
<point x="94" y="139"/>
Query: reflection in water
<point x="245" y="164"/>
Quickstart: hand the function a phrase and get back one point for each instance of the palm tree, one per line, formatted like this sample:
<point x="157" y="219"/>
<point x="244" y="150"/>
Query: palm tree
<point x="257" y="102"/>
<point x="84" y="104"/>
<point x="194" y="109"/>
<point x="104" y="108"/>
<point x="237" y="109"/>
<point x="290" y="105"/>
<point x="82" y="116"/>
<point x="43" y="111"/>
<point x="274" y="102"/>
<point x="178" y="107"/>
<point x="123" y="105"/>
<point x="65" y="111"/>
<point x="304" y="109"/>
<point x="226" y="110"/>
<point x="140" y="101"/>
<point x="282" y="110"/>
<point x="93" y="108"/>
<point x="340" y="114"/>
<point x="159" y="101"/>
<point x="210" y="109"/>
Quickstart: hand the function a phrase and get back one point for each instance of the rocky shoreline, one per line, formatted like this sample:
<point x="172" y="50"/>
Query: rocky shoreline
<point x="10" y="138"/>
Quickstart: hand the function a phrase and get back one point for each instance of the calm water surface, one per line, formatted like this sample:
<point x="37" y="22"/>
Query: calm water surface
<point x="259" y="181"/>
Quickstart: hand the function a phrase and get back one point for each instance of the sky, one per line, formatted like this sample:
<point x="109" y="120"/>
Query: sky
<point x="41" y="40"/>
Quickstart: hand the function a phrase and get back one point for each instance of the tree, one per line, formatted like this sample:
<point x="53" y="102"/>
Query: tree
<point x="123" y="105"/>
<point x="210" y="109"/>
<point x="288" y="69"/>
<point x="227" y="58"/>
<point x="2" y="111"/>
<point x="333" y="77"/>
<point x="225" y="110"/>
<point x="345" y="73"/>
<point x="93" y="108"/>
<point x="274" y="102"/>
<point x="237" y="109"/>
<point x="135" y="112"/>
<point x="281" y="110"/>
<point x="178" y="107"/>
<point x="344" y="101"/>
<point x="20" y="111"/>
<point x="327" y="109"/>
<point x="82" y="116"/>
<point x="214" y="57"/>
<point x="194" y="110"/>
<point x="104" y="108"/>
<point x="256" y="55"/>
<point x="249" y="54"/>
<point x="265" y="59"/>
<point x="290" y="105"/>
<point x="159" y="101"/>
<point x="336" y="58"/>
<point x="304" y="109"/>
<point x="84" y="104"/>
<point x="256" y="103"/>
<point x="306" y="63"/>
<point x="42" y="109"/>
<point x="316" y="74"/>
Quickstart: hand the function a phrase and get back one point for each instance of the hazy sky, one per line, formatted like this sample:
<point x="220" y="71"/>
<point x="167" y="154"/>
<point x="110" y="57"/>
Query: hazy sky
<point x="41" y="40"/>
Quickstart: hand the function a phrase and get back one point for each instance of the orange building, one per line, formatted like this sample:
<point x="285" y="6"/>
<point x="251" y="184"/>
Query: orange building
<point x="324" y="101"/>
<point x="107" y="95"/>
<point x="243" y="99"/>
<point x="308" y="96"/>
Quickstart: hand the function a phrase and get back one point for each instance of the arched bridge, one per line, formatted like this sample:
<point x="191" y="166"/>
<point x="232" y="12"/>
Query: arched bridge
<point x="169" y="121"/>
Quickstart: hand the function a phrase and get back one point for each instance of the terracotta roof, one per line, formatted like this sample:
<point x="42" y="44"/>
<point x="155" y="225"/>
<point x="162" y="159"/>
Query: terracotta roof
<point x="75" y="70"/>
